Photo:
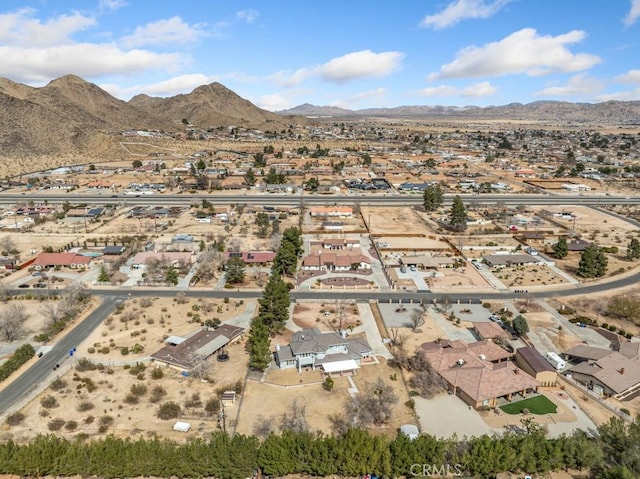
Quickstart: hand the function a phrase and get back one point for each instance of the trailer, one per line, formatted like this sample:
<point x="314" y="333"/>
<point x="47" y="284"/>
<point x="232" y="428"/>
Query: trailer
<point x="555" y="360"/>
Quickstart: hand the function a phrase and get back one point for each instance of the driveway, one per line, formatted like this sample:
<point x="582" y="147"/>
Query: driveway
<point x="370" y="328"/>
<point x="445" y="415"/>
<point x="416" y="276"/>
<point x="451" y="331"/>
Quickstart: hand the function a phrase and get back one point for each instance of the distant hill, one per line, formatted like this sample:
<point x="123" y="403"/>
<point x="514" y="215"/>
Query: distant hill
<point x="622" y="112"/>
<point x="72" y="116"/>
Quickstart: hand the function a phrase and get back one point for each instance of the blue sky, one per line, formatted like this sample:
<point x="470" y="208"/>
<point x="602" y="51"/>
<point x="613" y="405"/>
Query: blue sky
<point x="349" y="53"/>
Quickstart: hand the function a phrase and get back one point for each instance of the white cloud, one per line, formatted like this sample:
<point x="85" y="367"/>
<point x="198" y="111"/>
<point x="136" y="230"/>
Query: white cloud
<point x="36" y="65"/>
<point x="578" y="85"/>
<point x="633" y="14"/>
<point x="112" y="4"/>
<point x="362" y="64"/>
<point x="172" y="31"/>
<point x="249" y="15"/>
<point x="523" y="51"/>
<point x="460" y="10"/>
<point x="475" y="90"/>
<point x="632" y="76"/>
<point x="21" y="28"/>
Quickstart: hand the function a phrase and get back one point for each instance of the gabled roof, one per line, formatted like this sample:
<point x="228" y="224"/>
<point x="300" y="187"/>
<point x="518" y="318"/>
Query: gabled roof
<point x="534" y="359"/>
<point x="583" y="351"/>
<point x="61" y="259"/>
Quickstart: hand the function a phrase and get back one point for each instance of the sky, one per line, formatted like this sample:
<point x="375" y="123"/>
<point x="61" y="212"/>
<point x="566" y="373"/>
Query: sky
<point x="350" y="53"/>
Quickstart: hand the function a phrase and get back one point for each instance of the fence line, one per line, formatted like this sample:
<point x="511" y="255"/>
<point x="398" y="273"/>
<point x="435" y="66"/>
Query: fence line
<point x="598" y="398"/>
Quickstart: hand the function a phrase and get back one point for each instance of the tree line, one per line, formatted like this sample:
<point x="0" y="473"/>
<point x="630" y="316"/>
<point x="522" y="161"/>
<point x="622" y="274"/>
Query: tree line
<point x="612" y="453"/>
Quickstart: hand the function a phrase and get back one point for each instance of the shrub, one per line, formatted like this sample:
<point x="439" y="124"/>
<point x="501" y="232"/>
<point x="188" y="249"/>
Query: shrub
<point x="137" y="369"/>
<point x="84" y="406"/>
<point x="157" y="373"/>
<point x="194" y="401"/>
<point x="131" y="399"/>
<point x="58" y="384"/>
<point x="169" y="410"/>
<point x="41" y="338"/>
<point x="85" y="364"/>
<point x="139" y="389"/>
<point x="212" y="406"/>
<point x="21" y="356"/>
<point x="89" y="419"/>
<point x="55" y="424"/>
<point x="15" y="418"/>
<point x="106" y="420"/>
<point x="157" y="393"/>
<point x="124" y="350"/>
<point x="49" y="402"/>
<point x="71" y="425"/>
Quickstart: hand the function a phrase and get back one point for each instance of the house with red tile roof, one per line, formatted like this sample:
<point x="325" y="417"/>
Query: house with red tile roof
<point x="62" y="260"/>
<point x="252" y="257"/>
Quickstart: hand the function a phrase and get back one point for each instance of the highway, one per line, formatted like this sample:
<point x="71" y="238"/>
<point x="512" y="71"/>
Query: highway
<point x="374" y="199"/>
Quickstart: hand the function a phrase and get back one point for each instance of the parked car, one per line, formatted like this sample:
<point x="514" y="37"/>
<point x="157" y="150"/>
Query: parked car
<point x="40" y="285"/>
<point x="23" y="285"/>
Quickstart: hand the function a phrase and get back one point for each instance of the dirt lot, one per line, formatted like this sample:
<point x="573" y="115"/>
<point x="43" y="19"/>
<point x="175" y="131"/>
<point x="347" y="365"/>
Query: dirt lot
<point x="384" y="220"/>
<point x="145" y="326"/>
<point x="272" y="398"/>
<point x="329" y="316"/>
<point x="528" y="276"/>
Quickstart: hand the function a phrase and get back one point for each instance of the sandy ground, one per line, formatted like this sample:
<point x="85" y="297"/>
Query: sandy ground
<point x="384" y="220"/>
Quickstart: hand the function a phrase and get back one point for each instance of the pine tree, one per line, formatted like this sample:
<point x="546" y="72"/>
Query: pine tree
<point x="259" y="345"/>
<point x="433" y="197"/>
<point x="633" y="249"/>
<point x="561" y="249"/>
<point x="458" y="215"/>
<point x="274" y="305"/>
<point x="593" y="262"/>
<point x="520" y="325"/>
<point x="235" y="270"/>
<point x="103" y="277"/>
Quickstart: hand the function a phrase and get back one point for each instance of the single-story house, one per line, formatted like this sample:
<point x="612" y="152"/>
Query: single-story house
<point x="531" y="237"/>
<point x="325" y="261"/>
<point x="252" y="257"/>
<point x="428" y="261"/>
<point x="533" y="363"/>
<point x="337" y="243"/>
<point x="63" y="260"/>
<point x="489" y="330"/>
<point x="170" y="258"/>
<point x="479" y="373"/>
<point x="606" y="372"/>
<point x="311" y="348"/>
<point x="515" y="259"/>
<point x="185" y="353"/>
<point x="331" y="211"/>
<point x="113" y="250"/>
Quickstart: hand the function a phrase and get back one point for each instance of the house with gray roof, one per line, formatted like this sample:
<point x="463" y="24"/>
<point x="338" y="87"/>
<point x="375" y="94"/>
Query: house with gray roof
<point x="333" y="352"/>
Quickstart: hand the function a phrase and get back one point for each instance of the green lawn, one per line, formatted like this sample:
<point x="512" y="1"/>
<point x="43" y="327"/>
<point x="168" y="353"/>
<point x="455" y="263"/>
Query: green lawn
<point x="536" y="405"/>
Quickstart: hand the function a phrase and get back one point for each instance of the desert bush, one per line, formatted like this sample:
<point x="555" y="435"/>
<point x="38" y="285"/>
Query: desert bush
<point x="58" y="384"/>
<point x="137" y="369"/>
<point x="89" y="419"/>
<point x="194" y="401"/>
<point x="49" y="402"/>
<point x="157" y="393"/>
<point x="169" y="410"/>
<point x="131" y="399"/>
<point x="84" y="406"/>
<point x="157" y="373"/>
<point x="146" y="302"/>
<point x="138" y="389"/>
<point x="15" y="418"/>
<point x="55" y="424"/>
<point x="85" y="364"/>
<point x="71" y="425"/>
<point x="106" y="420"/>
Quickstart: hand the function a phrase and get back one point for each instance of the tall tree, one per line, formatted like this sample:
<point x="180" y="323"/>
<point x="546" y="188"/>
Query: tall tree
<point x="259" y="345"/>
<point x="235" y="270"/>
<point x="433" y="197"/>
<point x="561" y="249"/>
<point x="458" y="215"/>
<point x="249" y="177"/>
<point x="633" y="249"/>
<point x="274" y="304"/>
<point x="593" y="262"/>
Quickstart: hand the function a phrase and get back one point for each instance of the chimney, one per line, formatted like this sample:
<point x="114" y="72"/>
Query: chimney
<point x="621" y="370"/>
<point x="516" y="370"/>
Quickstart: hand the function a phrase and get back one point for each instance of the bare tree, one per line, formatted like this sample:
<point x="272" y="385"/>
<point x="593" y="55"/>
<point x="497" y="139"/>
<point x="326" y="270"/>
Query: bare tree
<point x="4" y="292"/>
<point x="295" y="419"/>
<point x="199" y="366"/>
<point x="234" y="244"/>
<point x="416" y="319"/>
<point x="209" y="264"/>
<point x="12" y="320"/>
<point x="263" y="426"/>
<point x="181" y="298"/>
<point x="8" y="246"/>
<point x="372" y="406"/>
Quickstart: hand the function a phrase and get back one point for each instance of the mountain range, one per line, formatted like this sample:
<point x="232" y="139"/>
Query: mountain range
<point x="614" y="112"/>
<point x="72" y="116"/>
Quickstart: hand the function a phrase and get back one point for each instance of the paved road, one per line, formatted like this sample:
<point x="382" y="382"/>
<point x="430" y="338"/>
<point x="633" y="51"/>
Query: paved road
<point x="36" y="374"/>
<point x="377" y="199"/>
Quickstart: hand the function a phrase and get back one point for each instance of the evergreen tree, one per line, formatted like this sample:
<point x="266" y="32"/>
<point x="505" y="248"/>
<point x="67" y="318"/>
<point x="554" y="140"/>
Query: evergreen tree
<point x="249" y="177"/>
<point x="286" y="261"/>
<point x="433" y="197"/>
<point x="593" y="262"/>
<point x="633" y="249"/>
<point x="274" y="304"/>
<point x="172" y="276"/>
<point x="561" y="249"/>
<point x="520" y="325"/>
<point x="103" y="277"/>
<point x="235" y="270"/>
<point x="293" y="235"/>
<point x="259" y="345"/>
<point x="458" y="215"/>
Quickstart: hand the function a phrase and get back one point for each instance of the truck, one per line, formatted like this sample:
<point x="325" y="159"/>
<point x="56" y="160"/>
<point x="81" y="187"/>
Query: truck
<point x="556" y="361"/>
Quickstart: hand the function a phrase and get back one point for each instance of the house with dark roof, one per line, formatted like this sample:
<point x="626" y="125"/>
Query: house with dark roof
<point x="333" y="352"/>
<point x="186" y="353"/>
<point x="533" y="363"/>
<point x="514" y="259"/>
